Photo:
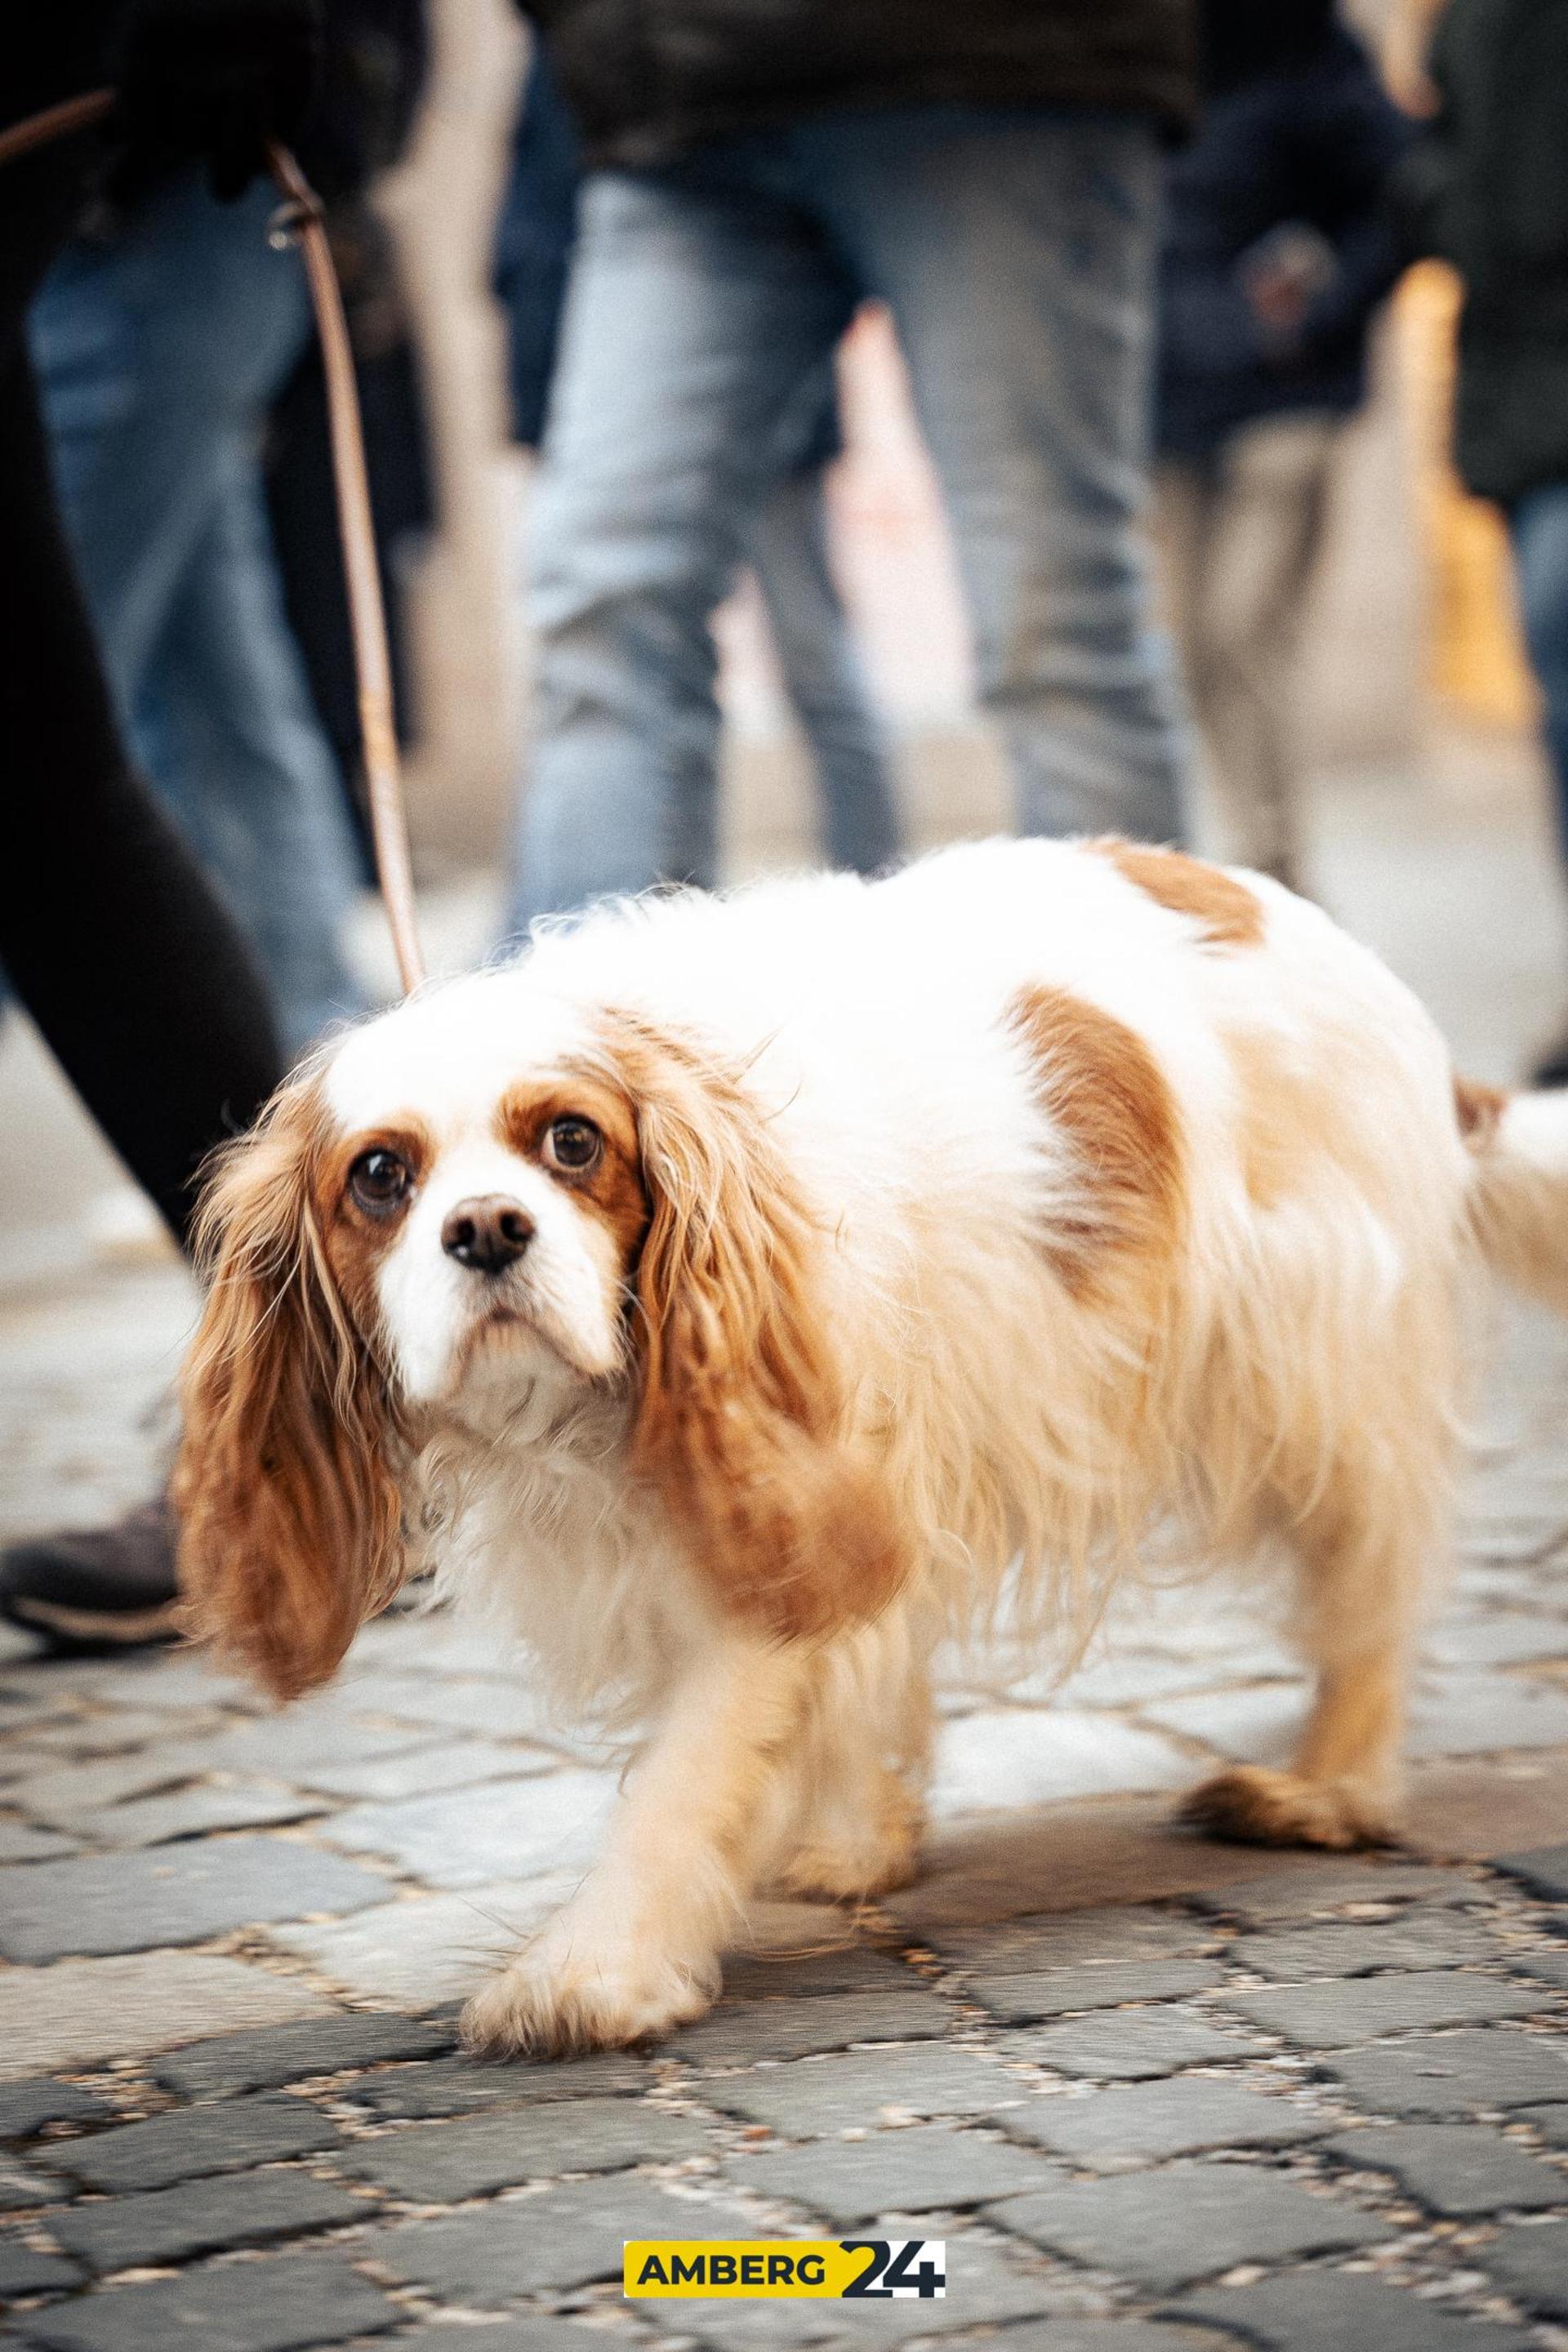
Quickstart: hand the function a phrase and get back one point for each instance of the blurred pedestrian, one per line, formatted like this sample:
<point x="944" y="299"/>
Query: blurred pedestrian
<point x="373" y="70"/>
<point x="753" y="174"/>
<point x="160" y="339"/>
<point x="786" y="542"/>
<point x="1487" y="189"/>
<point x="1281" y="241"/>
<point x="130" y="964"/>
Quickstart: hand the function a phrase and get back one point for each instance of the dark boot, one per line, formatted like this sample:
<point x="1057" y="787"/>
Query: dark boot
<point x="96" y="1589"/>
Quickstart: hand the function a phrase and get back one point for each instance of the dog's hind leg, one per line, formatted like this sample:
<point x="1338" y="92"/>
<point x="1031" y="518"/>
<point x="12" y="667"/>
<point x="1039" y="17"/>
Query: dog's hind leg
<point x="1366" y="1546"/>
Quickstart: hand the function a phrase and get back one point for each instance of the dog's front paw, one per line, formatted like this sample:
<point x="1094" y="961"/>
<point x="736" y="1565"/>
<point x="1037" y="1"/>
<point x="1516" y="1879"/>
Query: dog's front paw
<point x="1253" y="1804"/>
<point x="559" y="1997"/>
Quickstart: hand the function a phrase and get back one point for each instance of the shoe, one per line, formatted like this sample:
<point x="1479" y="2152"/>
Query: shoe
<point x="1551" y="1068"/>
<point x="96" y="1589"/>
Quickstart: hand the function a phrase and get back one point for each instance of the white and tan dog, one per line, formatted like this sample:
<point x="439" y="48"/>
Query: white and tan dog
<point x="738" y="1295"/>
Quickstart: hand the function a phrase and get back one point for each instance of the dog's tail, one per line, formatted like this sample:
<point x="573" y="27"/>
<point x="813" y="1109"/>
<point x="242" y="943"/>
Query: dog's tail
<point x="1519" y="1188"/>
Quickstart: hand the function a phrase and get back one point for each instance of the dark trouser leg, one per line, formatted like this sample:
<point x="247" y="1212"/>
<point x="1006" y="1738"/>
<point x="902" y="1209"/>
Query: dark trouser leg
<point x="112" y="935"/>
<point x="131" y="968"/>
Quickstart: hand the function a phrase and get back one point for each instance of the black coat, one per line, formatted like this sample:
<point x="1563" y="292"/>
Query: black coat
<point x="1487" y="188"/>
<point x="1297" y="138"/>
<point x="649" y="79"/>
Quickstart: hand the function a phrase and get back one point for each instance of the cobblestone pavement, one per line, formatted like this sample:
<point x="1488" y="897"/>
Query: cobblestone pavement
<point x="1156" y="2094"/>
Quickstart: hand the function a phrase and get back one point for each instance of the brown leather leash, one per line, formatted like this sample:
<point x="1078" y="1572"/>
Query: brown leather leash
<point x="300" y="220"/>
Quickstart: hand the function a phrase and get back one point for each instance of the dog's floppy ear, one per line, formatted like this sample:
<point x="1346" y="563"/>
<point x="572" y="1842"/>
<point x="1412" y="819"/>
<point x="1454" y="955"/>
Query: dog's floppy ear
<point x="740" y="1424"/>
<point x="289" y="1507"/>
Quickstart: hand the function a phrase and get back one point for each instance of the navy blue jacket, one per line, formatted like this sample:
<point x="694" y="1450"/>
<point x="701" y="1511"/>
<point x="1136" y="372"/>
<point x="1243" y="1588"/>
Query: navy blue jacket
<point x="1294" y="139"/>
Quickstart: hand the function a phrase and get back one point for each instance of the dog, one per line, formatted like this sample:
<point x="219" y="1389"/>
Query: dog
<point x="737" y="1295"/>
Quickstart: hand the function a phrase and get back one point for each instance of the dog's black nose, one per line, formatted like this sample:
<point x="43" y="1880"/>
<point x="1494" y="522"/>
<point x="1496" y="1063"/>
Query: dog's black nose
<point x="489" y="1234"/>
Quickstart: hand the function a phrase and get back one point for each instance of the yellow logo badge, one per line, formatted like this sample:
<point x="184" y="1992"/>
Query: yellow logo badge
<point x="881" y="2269"/>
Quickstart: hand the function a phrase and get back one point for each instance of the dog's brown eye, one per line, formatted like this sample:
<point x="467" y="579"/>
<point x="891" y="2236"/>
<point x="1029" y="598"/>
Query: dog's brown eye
<point x="573" y="1143"/>
<point x="379" y="1182"/>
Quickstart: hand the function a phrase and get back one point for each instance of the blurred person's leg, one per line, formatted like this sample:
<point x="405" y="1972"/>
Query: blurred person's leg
<point x="158" y="349"/>
<point x="110" y="932"/>
<point x="1186" y="501"/>
<point x="227" y="727"/>
<point x="697" y="308"/>
<point x="128" y="961"/>
<point x="1538" y="526"/>
<point x="1016" y="249"/>
<point x="135" y="973"/>
<point x="823" y="675"/>
<point x="1243" y="535"/>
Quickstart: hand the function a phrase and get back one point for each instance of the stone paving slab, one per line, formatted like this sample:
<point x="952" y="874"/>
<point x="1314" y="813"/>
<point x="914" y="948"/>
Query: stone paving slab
<point x="1531" y="2265"/>
<point x="1044" y="1755"/>
<point x="800" y="2029"/>
<point x="559" y="2239"/>
<point x="22" y="2185"/>
<point x="202" y="2217"/>
<point x="1457" y="2169"/>
<point x="1074" y="1939"/>
<point x="424" y="1771"/>
<point x="457" y="2087"/>
<point x="861" y="2088"/>
<point x="445" y="2163"/>
<point x="285" y="2304"/>
<point x="192" y="2142"/>
<point x="853" y="1967"/>
<point x="23" y="2271"/>
<point x="463" y="1705"/>
<point x="424" y="1952"/>
<point x="291" y="2053"/>
<point x="1310" y="1886"/>
<point x="1067" y="1858"/>
<point x="1351" y="1948"/>
<point x="531" y="2335"/>
<point x="1184" y="2115"/>
<point x="175" y="1894"/>
<point x="1332" y="2311"/>
<point x="19" y="1842"/>
<point x="1334" y="2016"/>
<point x="1024" y="1999"/>
<point x="465" y="1837"/>
<point x="1545" y="1967"/>
<point x="25" y="2106"/>
<point x="1110" y="2335"/>
<point x="1545" y="1871"/>
<point x="195" y="1813"/>
<point x="1444" y="2076"/>
<point x="926" y="2166"/>
<point x="1190" y="2221"/>
<point x="83" y="2012"/>
<point x="1131" y="2046"/>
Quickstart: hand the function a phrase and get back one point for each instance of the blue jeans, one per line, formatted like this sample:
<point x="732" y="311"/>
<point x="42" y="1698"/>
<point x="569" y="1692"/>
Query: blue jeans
<point x="1539" y="527"/>
<point x="157" y="351"/>
<point x="822" y="675"/>
<point x="1015" y="248"/>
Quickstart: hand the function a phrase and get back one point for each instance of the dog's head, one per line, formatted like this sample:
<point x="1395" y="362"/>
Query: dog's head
<point x="483" y="1207"/>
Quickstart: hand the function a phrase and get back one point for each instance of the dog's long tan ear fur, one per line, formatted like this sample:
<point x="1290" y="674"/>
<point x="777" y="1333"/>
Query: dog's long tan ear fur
<point x="741" y="1421"/>
<point x="289" y="1511"/>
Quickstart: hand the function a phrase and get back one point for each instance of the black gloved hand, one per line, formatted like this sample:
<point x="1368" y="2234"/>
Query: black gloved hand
<point x="215" y="79"/>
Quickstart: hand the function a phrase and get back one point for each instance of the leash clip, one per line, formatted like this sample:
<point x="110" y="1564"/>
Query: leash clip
<point x="288" y="224"/>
